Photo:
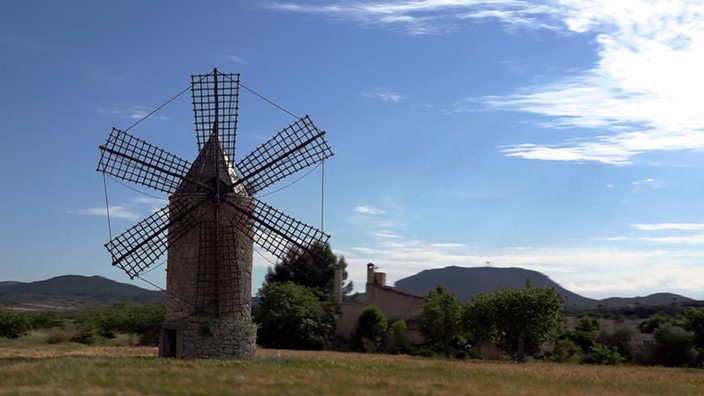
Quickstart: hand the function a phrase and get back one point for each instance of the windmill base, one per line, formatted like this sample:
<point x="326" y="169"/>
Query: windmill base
<point x="200" y="338"/>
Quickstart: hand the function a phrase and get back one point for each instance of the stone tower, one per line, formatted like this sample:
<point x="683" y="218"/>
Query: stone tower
<point x="209" y="267"/>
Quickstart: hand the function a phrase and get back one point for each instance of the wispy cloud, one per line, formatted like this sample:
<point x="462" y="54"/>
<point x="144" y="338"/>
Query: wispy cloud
<point x="116" y="211"/>
<point x="368" y="210"/>
<point x="237" y="59"/>
<point x="420" y="17"/>
<point x="597" y="267"/>
<point x="669" y="226"/>
<point x="383" y="94"/>
<point x="135" y="113"/>
<point x="134" y="209"/>
<point x="643" y="94"/>
<point x="595" y="272"/>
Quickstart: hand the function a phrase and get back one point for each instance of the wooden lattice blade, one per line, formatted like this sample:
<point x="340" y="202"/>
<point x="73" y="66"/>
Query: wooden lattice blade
<point x="294" y="148"/>
<point x="146" y="242"/>
<point x="131" y="159"/>
<point x="274" y="230"/>
<point x="215" y="107"/>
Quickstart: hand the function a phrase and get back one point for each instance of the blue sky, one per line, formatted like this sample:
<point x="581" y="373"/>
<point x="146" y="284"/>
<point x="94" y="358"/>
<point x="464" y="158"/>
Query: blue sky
<point x="559" y="136"/>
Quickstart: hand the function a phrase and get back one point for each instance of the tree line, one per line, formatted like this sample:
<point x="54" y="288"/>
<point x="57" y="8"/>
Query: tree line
<point x="519" y="324"/>
<point x="295" y="311"/>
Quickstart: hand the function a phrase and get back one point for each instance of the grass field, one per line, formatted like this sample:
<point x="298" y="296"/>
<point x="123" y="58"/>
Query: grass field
<point x="74" y="369"/>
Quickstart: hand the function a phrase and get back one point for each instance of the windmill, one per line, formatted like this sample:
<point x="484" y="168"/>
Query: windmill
<point x="212" y="219"/>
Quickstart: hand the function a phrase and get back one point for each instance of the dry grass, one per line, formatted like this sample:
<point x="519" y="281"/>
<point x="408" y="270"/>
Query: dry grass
<point x="77" y="369"/>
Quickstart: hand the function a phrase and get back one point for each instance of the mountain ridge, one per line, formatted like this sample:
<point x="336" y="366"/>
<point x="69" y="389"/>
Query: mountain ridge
<point x="467" y="282"/>
<point x="67" y="292"/>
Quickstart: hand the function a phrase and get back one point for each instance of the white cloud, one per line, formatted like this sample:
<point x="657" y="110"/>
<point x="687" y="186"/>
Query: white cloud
<point x="237" y="59"/>
<point x="669" y="226"/>
<point x="134" y="209"/>
<point x="383" y="94"/>
<point x="136" y="113"/>
<point x="117" y="211"/>
<point x="592" y="272"/>
<point x="420" y="17"/>
<point x="368" y="210"/>
<point x="644" y="93"/>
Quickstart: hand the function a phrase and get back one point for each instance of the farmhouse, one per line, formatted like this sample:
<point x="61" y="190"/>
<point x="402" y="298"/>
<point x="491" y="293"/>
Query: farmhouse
<point x="395" y="304"/>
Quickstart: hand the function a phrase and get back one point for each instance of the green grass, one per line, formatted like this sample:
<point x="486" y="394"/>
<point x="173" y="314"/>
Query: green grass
<point x="71" y="369"/>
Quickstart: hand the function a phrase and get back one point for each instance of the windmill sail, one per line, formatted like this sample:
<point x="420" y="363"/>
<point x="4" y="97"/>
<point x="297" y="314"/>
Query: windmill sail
<point x="134" y="160"/>
<point x="216" y="102"/>
<point x="277" y="232"/>
<point x="294" y="148"/>
<point x="145" y="243"/>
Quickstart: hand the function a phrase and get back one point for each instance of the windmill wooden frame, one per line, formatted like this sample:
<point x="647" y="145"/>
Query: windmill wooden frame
<point x="212" y="219"/>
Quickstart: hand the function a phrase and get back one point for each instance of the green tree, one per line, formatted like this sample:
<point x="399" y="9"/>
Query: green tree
<point x="565" y="350"/>
<point x="518" y="320"/>
<point x="621" y="339"/>
<point x="143" y="320"/>
<point x="587" y="325"/>
<point x="14" y="324"/>
<point x="440" y="319"/>
<point x="694" y="322"/>
<point x="47" y="320"/>
<point x="313" y="268"/>
<point x="370" y="332"/>
<point x="291" y="317"/>
<point x="398" y="331"/>
<point x="583" y="334"/>
<point x="653" y="322"/>
<point x="675" y="346"/>
<point x="604" y="355"/>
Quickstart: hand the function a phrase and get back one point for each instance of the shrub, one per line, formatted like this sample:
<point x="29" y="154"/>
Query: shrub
<point x="58" y="335"/>
<point x="604" y="355"/>
<point x="14" y="324"/>
<point x="565" y="350"/>
<point x="370" y="332"/>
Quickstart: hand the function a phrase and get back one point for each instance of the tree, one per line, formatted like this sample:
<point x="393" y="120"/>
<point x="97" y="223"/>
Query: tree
<point x="604" y="355"/>
<point x="675" y="346"/>
<point x="398" y="330"/>
<point x="621" y="339"/>
<point x="14" y="324"/>
<point x="439" y="318"/>
<point x="587" y="325"/>
<point x="290" y="316"/>
<point x="694" y="322"/>
<point x="653" y="322"/>
<point x="519" y="320"/>
<point x="370" y="331"/>
<point x="313" y="268"/>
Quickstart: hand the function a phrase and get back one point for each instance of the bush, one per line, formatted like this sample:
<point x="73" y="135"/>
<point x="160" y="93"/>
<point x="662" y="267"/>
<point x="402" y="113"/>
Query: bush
<point x="566" y="350"/>
<point x="47" y="320"/>
<point x="604" y="355"/>
<point x="675" y="346"/>
<point x="58" y="335"/>
<point x="622" y="340"/>
<point x="370" y="333"/>
<point x="291" y="317"/>
<point x="398" y="332"/>
<point x="14" y="324"/>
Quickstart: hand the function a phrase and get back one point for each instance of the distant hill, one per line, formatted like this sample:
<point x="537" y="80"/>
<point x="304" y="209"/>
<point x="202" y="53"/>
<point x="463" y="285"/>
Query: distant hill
<point x="466" y="282"/>
<point x="657" y="299"/>
<point x="71" y="292"/>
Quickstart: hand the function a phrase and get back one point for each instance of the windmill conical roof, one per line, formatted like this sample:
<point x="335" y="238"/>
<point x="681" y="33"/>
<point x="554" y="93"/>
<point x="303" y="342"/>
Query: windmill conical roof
<point x="211" y="164"/>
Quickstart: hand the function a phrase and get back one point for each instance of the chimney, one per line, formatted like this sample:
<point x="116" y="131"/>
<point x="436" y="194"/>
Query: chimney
<point x="370" y="273"/>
